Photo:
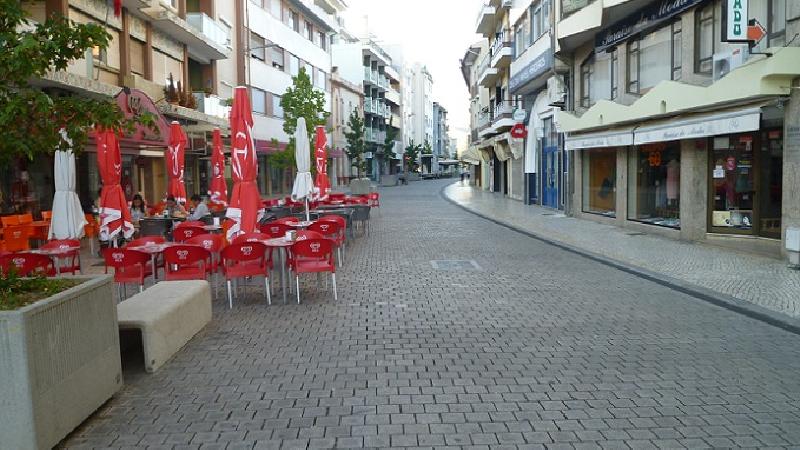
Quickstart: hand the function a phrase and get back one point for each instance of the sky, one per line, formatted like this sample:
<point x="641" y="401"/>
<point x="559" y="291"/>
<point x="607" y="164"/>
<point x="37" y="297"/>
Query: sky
<point x="435" y="33"/>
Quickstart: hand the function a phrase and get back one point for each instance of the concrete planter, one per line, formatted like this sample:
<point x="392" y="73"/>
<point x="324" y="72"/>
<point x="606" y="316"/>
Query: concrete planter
<point x="389" y="180"/>
<point x="59" y="362"/>
<point x="360" y="186"/>
<point x="413" y="176"/>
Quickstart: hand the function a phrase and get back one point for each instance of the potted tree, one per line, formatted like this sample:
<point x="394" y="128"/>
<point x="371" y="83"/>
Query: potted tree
<point x="61" y="358"/>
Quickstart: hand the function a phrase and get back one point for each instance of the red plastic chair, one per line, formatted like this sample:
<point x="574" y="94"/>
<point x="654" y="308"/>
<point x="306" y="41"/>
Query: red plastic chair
<point x="337" y="196"/>
<point x="186" y="262"/>
<point x="313" y="255"/>
<point x="275" y="229"/>
<point x="129" y="266"/>
<point x="243" y="260"/>
<point x="213" y="243"/>
<point x="250" y="237"/>
<point x="26" y="264"/>
<point x="71" y="258"/>
<point x="330" y="229"/>
<point x="8" y="221"/>
<point x="374" y="200"/>
<point x="184" y="233"/>
<point x="190" y="223"/>
<point x="286" y="220"/>
<point x="16" y="237"/>
<point x="25" y="218"/>
<point x="147" y="240"/>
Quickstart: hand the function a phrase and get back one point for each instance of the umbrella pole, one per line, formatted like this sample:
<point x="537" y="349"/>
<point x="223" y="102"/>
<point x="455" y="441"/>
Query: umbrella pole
<point x="308" y="215"/>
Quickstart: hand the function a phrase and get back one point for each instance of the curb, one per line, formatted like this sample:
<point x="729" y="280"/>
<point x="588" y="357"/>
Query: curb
<point x="728" y="302"/>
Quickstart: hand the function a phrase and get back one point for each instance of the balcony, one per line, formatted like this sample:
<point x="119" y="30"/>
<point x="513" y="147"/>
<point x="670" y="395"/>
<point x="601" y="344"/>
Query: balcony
<point x="488" y="75"/>
<point x="202" y="47"/>
<point x="485" y="23"/>
<point x="501" y="52"/>
<point x="368" y="105"/>
<point x="383" y="81"/>
<point x="392" y="96"/>
<point x="212" y="105"/>
<point x="368" y="135"/>
<point x="501" y="116"/>
<point x="209" y="27"/>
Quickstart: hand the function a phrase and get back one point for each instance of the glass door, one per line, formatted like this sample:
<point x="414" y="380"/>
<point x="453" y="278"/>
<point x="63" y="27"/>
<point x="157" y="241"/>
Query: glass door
<point x="770" y="183"/>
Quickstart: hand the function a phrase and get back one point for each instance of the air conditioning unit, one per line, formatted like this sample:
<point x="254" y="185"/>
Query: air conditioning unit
<point x="725" y="62"/>
<point x="556" y="91"/>
<point x="367" y="155"/>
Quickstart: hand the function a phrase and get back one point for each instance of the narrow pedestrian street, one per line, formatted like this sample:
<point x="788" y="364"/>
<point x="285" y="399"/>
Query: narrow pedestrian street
<point x="452" y="331"/>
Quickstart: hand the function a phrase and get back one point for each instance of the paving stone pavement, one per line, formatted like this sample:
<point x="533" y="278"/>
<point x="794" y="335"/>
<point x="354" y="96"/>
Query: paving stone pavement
<point x="531" y="347"/>
<point x="762" y="281"/>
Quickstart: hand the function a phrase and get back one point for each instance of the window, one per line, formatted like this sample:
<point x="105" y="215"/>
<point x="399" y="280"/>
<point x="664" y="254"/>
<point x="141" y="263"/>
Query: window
<point x="536" y="22"/>
<point x="614" y="74"/>
<point x="519" y="39"/>
<point x="99" y="55"/>
<point x="599" y="178"/>
<point x="654" y="184"/>
<point x="587" y="69"/>
<point x="294" y="65"/>
<point x="275" y="8"/>
<point x="647" y="61"/>
<point x="277" y="109"/>
<point x="677" y="52"/>
<point x="704" y="41"/>
<point x="259" y="100"/>
<point x="321" y="79"/>
<point x="277" y="57"/>
<point x="323" y="40"/>
<point x="257" y="49"/>
<point x="545" y="16"/>
<point x="309" y="31"/>
<point x="295" y="21"/>
<point x="777" y="23"/>
<point x="598" y="78"/>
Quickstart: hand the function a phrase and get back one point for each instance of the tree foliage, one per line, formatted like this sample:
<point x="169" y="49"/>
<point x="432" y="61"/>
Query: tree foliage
<point x="388" y="145"/>
<point x="300" y="100"/>
<point x="411" y="156"/>
<point x="355" y="142"/>
<point x="427" y="149"/>
<point x="30" y="117"/>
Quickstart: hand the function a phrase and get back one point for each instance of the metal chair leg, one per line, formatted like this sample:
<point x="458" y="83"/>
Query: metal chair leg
<point x="141" y="288"/>
<point x="230" y="296"/>
<point x="333" y="278"/>
<point x="297" y="282"/>
<point x="267" y="288"/>
<point x="124" y="290"/>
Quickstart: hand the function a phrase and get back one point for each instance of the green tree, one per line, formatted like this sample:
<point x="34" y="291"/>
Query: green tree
<point x="31" y="118"/>
<point x="300" y="100"/>
<point x="427" y="149"/>
<point x="410" y="155"/>
<point x="355" y="142"/>
<point x="388" y="146"/>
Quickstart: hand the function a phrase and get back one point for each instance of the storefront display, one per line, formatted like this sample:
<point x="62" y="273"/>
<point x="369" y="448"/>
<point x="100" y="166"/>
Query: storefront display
<point x="599" y="182"/>
<point x="654" y="172"/>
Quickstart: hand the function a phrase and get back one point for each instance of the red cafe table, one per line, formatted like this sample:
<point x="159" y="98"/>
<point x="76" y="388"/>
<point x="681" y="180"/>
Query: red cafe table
<point x="153" y="250"/>
<point x="56" y="254"/>
<point x="283" y="244"/>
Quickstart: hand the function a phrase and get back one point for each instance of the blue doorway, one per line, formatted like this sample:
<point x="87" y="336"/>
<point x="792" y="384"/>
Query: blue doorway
<point x="550" y="177"/>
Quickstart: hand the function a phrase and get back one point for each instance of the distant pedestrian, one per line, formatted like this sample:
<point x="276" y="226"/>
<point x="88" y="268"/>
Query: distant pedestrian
<point x="462" y="177"/>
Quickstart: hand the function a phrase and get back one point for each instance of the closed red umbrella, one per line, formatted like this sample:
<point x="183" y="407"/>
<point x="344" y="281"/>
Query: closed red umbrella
<point x="245" y="204"/>
<point x="115" y="217"/>
<point x="321" y="158"/>
<point x="176" y="150"/>
<point x="218" y="189"/>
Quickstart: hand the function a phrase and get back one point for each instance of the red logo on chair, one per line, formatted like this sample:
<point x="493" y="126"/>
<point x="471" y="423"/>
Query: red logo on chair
<point x="315" y="246"/>
<point x="208" y="244"/>
<point x="19" y="262"/>
<point x="247" y="251"/>
<point x="324" y="227"/>
<point x="182" y="254"/>
<point x="118" y="257"/>
<point x="188" y="233"/>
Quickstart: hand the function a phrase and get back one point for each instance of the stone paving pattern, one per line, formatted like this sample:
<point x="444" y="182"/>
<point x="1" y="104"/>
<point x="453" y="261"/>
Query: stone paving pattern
<point x="759" y="280"/>
<point x="535" y="348"/>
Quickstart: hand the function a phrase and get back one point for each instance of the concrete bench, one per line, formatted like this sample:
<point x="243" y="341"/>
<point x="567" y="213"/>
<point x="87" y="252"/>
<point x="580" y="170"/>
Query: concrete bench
<point x="168" y="315"/>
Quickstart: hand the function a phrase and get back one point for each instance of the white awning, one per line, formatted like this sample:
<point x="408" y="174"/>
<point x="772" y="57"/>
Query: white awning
<point x="703" y="125"/>
<point x="616" y="138"/>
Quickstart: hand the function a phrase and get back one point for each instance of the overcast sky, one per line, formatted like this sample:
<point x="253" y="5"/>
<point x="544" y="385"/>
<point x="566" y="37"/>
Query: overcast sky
<point x="435" y="33"/>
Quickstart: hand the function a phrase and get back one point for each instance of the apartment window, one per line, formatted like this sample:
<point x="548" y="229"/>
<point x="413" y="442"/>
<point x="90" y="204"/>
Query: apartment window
<point x="777" y="23"/>
<point x="587" y="70"/>
<point x="519" y="39"/>
<point x="294" y="21"/>
<point x="294" y="65"/>
<point x="310" y="31"/>
<point x="99" y="55"/>
<point x="321" y="79"/>
<point x="137" y="56"/>
<point x="528" y="25"/>
<point x="277" y="57"/>
<point x="614" y="74"/>
<point x="257" y="49"/>
<point x="647" y="65"/>
<point x="677" y="52"/>
<point x="545" y="16"/>
<point x="259" y="100"/>
<point x="228" y="33"/>
<point x="323" y="40"/>
<point x="536" y="22"/>
<point x="598" y="81"/>
<point x="704" y="40"/>
<point x="171" y="3"/>
<point x="277" y="109"/>
<point x="275" y="8"/>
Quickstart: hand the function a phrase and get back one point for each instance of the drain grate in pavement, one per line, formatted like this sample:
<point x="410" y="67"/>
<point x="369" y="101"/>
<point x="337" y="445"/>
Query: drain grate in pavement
<point x="455" y="264"/>
<point x="635" y="233"/>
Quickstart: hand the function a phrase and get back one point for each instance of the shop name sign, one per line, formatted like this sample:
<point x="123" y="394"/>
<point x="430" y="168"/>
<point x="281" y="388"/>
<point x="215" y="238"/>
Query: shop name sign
<point x="642" y="20"/>
<point x="734" y="21"/>
<point x="533" y="69"/>
<point x="600" y="140"/>
<point x="738" y="123"/>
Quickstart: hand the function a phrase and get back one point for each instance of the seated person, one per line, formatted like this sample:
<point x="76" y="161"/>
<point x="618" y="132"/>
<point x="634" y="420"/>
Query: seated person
<point x="199" y="208"/>
<point x="173" y="208"/>
<point x="138" y="208"/>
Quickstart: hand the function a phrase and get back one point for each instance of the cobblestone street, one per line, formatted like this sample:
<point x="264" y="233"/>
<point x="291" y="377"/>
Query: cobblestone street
<point x="454" y="332"/>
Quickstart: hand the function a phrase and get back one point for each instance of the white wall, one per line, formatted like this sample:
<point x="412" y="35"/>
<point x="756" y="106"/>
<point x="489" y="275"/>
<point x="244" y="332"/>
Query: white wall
<point x="349" y="59"/>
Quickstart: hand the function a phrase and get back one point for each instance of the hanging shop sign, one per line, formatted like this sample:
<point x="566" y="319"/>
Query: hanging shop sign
<point x="641" y="20"/>
<point x="134" y="103"/>
<point x="518" y="131"/>
<point x="734" y="21"/>
<point x="519" y="115"/>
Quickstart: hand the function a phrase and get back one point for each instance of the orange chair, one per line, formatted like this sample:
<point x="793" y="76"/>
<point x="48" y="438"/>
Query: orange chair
<point x="9" y="220"/>
<point x="91" y="230"/>
<point x="25" y="218"/>
<point x="47" y="215"/>
<point x="16" y="237"/>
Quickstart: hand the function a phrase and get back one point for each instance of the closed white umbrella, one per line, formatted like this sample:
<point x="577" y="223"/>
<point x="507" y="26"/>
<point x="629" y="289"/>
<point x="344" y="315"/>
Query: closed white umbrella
<point x="303" y="184"/>
<point x="68" y="219"/>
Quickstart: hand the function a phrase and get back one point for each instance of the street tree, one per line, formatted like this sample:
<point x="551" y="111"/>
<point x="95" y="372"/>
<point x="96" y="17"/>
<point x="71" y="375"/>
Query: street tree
<point x="388" y="146"/>
<point x="31" y="118"/>
<point x="411" y="155"/>
<point x="355" y="142"/>
<point x="300" y="100"/>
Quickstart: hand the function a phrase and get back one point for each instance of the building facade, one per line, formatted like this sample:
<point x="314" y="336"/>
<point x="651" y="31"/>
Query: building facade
<point x="347" y="98"/>
<point x="479" y="102"/>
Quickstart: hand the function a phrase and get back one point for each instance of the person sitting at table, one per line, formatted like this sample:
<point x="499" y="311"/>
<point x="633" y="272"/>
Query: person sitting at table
<point x="199" y="208"/>
<point x="138" y="208"/>
<point x="173" y="208"/>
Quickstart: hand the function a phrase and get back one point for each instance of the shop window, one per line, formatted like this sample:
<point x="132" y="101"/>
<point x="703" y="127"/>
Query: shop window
<point x="257" y="49"/>
<point x="654" y="172"/>
<point x="599" y="178"/>
<point x="259" y="99"/>
<point x="704" y="39"/>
